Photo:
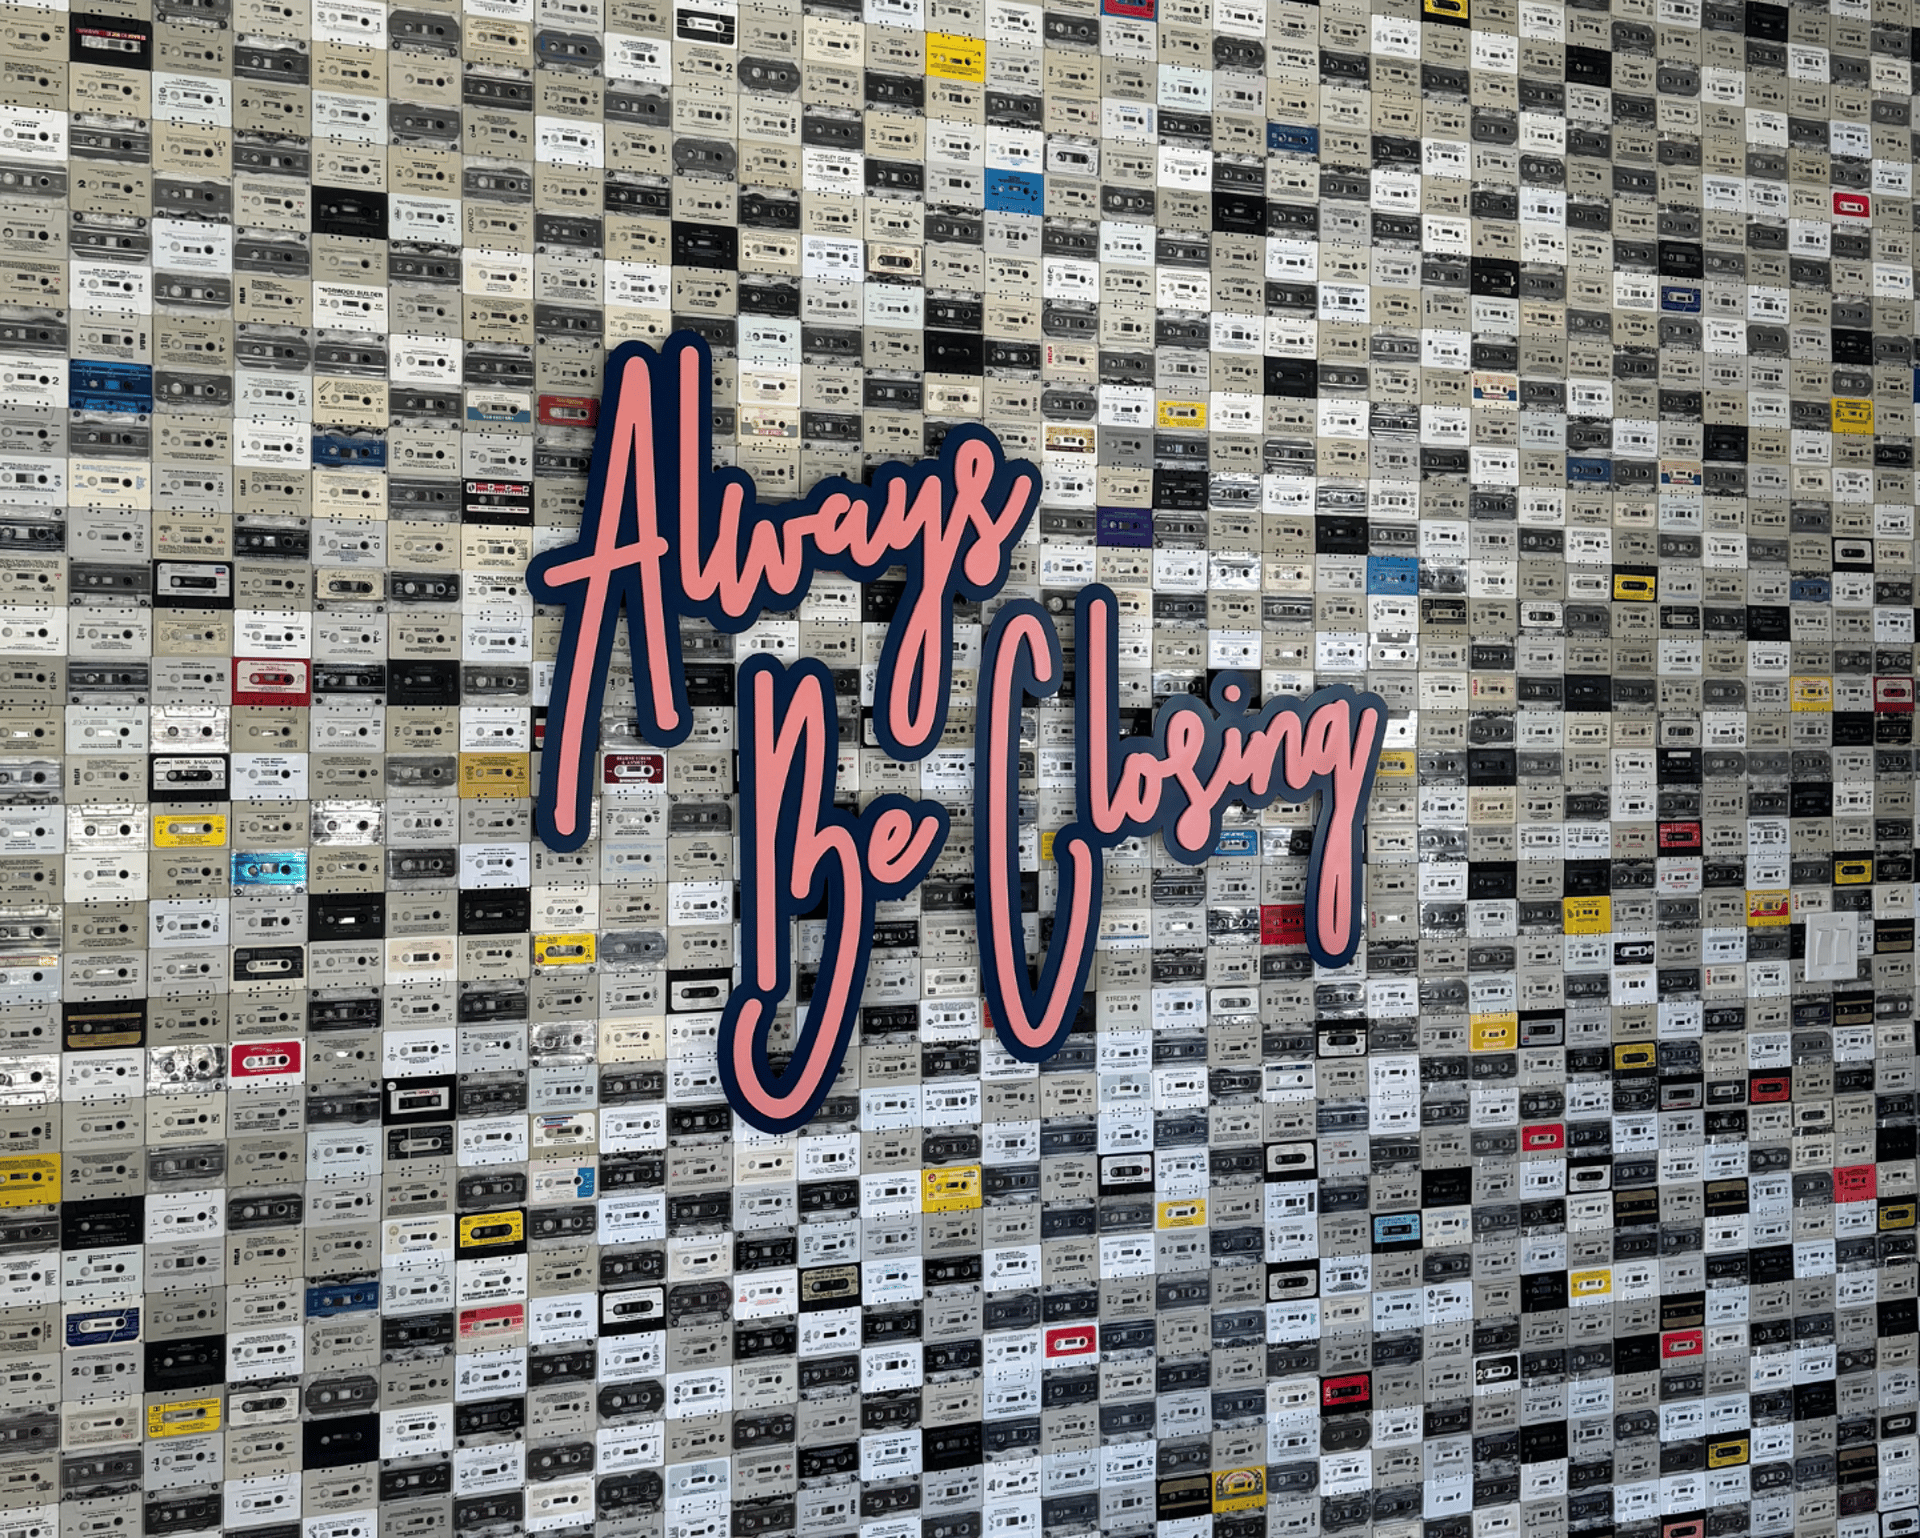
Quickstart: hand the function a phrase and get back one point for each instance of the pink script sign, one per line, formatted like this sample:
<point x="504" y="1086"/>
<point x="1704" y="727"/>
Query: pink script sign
<point x="666" y="535"/>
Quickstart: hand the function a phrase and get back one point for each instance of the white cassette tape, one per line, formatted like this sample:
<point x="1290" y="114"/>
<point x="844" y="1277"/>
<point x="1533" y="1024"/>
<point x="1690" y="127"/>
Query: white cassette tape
<point x="493" y="1140"/>
<point x="109" y="287"/>
<point x="196" y="246"/>
<point x="29" y="133"/>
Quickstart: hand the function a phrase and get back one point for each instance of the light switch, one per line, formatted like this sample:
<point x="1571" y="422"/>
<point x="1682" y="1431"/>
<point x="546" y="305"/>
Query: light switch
<point x="1833" y="944"/>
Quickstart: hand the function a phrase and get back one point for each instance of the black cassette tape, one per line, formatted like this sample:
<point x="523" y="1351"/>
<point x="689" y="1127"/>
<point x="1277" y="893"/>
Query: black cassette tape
<point x="504" y="1096"/>
<point x="490" y="1189"/>
<point x="204" y="1166"/>
<point x="113" y="41"/>
<point x="350" y="679"/>
<point x="340" y="1441"/>
<point x="355" y="916"/>
<point x="561" y="1223"/>
<point x="481" y="1512"/>
<point x="101" y="1472"/>
<point x="179" y="1513"/>
<point x="269" y="964"/>
<point x="356" y="212"/>
<point x="622" y="1495"/>
<point x="188" y="777"/>
<point x="107" y="1025"/>
<point x="553" y="1367"/>
<point x="416" y="867"/>
<point x="283" y="1209"/>
<point x="490" y="912"/>
<point x="107" y="1224"/>
<point x="422" y="682"/>
<point x="416" y="1332"/>
<point x="499" y="1002"/>
<point x="633" y="1171"/>
<point x="490" y="1418"/>
<point x="173" y="1365"/>
<point x="415" y="1480"/>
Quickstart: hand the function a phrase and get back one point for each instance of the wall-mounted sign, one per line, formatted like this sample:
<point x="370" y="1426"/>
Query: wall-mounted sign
<point x="666" y="536"/>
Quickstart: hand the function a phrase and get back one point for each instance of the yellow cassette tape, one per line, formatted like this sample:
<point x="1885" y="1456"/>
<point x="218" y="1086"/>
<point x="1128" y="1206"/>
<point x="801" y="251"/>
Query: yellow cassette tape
<point x="183" y="1418"/>
<point x="1584" y="1286"/>
<point x="1852" y="416"/>
<point x="487" y="775"/>
<point x="1182" y="414"/>
<point x="1811" y="693"/>
<point x="29" y="1180"/>
<point x="951" y="57"/>
<point x="482" y="1230"/>
<point x="1239" y="1489"/>
<point x="950" y="1190"/>
<point x="563" y="950"/>
<point x="1766" y="910"/>
<point x="1586" y="915"/>
<point x="1188" y="1213"/>
<point x="1495" y="1033"/>
<point x="201" y="830"/>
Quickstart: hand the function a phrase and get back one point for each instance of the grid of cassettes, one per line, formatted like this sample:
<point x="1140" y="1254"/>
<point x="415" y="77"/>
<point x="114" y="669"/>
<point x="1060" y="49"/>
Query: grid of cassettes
<point x="1545" y="368"/>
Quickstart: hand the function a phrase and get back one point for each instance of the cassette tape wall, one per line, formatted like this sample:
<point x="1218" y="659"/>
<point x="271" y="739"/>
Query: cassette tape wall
<point x="1547" y="370"/>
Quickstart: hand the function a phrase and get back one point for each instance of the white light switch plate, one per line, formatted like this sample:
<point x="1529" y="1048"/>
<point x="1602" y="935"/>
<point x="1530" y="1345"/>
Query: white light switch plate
<point x="1833" y="944"/>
